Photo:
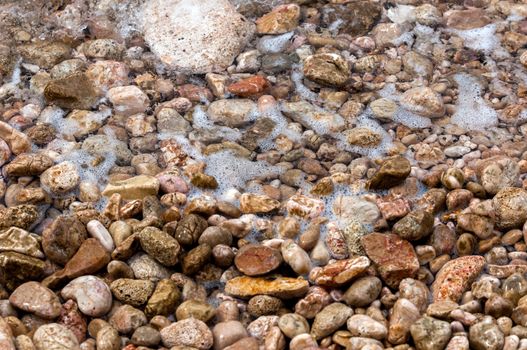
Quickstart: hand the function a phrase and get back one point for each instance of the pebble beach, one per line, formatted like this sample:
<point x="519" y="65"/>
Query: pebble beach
<point x="263" y="175"/>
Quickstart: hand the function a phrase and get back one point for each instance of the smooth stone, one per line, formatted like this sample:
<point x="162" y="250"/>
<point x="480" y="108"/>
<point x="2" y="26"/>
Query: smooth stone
<point x="92" y="294"/>
<point x="98" y="231"/>
<point x="189" y="332"/>
<point x="54" y="336"/>
<point x="34" y="298"/>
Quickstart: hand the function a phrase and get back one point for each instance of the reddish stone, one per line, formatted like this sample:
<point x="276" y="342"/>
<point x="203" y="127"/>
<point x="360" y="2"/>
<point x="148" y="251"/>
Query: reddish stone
<point x="72" y="318"/>
<point x="254" y="259"/>
<point x="395" y="209"/>
<point x="394" y="257"/>
<point x="340" y="272"/>
<point x="466" y="19"/>
<point x="90" y="258"/>
<point x="195" y="93"/>
<point x="455" y="277"/>
<point x="249" y="87"/>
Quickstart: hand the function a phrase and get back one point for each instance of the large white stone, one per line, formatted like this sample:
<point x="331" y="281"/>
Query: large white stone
<point x="195" y="36"/>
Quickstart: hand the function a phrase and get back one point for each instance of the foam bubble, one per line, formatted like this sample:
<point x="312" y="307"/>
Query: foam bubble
<point x="472" y="112"/>
<point x="274" y="43"/>
<point x="482" y="39"/>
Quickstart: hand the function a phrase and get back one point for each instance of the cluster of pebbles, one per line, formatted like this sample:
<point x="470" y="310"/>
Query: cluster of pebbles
<point x="245" y="175"/>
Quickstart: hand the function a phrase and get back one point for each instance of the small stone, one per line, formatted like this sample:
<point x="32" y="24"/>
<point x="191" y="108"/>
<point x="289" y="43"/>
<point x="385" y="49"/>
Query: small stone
<point x="497" y="173"/>
<point x="282" y="19"/>
<point x="146" y="336"/>
<point x="128" y="100"/>
<point x="364" y="137"/>
<point x="145" y="267"/>
<point x="404" y="314"/>
<point x="92" y="294"/>
<point x="365" y="326"/>
<point x="228" y="333"/>
<point x="327" y="69"/>
<point x="62" y="238"/>
<point x="466" y="19"/>
<point x="160" y="245"/>
<point x="249" y="86"/>
<point x="383" y="109"/>
<point x="76" y="91"/>
<point x="16" y="268"/>
<point x="189" y="332"/>
<point x="255" y="259"/>
<point x="190" y="228"/>
<point x="292" y="325"/>
<point x="304" y="206"/>
<point x="256" y="203"/>
<point x="126" y="318"/>
<point x="61" y="178"/>
<point x="339" y="272"/>
<point x="430" y="334"/>
<point x="108" y="339"/>
<point x="363" y="291"/>
<point x="313" y="117"/>
<point x="480" y="225"/>
<point x="414" y="226"/>
<point x="423" y="101"/>
<point x="455" y="277"/>
<point x="215" y="235"/>
<point x="90" y="258"/>
<point x="196" y="259"/>
<point x="44" y="53"/>
<point x="27" y="164"/>
<point x="261" y="305"/>
<point x="18" y="240"/>
<point x="391" y="173"/>
<point x="486" y="336"/>
<point x="195" y="309"/>
<point x="136" y="187"/>
<point x="280" y="287"/>
<point x="18" y="143"/>
<point x="107" y="74"/>
<point x="98" y="231"/>
<point x="164" y="299"/>
<point x="71" y="317"/>
<point x="329" y="319"/>
<point x="34" y="298"/>
<point x="54" y="336"/>
<point x="231" y="112"/>
<point x="6" y="336"/>
<point x="510" y="205"/>
<point x="133" y="292"/>
<point x="295" y="257"/>
<point x="395" y="258"/>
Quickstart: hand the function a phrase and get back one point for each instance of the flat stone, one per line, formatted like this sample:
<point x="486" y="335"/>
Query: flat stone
<point x="44" y="53"/>
<point x="339" y="272"/>
<point x="22" y="216"/>
<point x="195" y="37"/>
<point x="430" y="334"/>
<point x="391" y="173"/>
<point x="329" y="319"/>
<point x="251" y="203"/>
<point x="231" y="112"/>
<point x="18" y="142"/>
<point x="54" y="336"/>
<point x="313" y="117"/>
<point x="36" y="299"/>
<point x="16" y="268"/>
<point x="327" y="69"/>
<point x="18" y="240"/>
<point x="280" y="287"/>
<point x="27" y="163"/>
<point x="282" y="19"/>
<point x="128" y="100"/>
<point x="510" y="205"/>
<point x="455" y="277"/>
<point x="136" y="187"/>
<point x="423" y="101"/>
<point x="190" y="333"/>
<point x="394" y="257"/>
<point x="76" y="91"/>
<point x="90" y="258"/>
<point x="257" y="259"/>
<point x="61" y="178"/>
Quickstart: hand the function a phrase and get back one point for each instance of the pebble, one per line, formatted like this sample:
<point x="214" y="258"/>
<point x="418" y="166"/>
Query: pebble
<point x="228" y="333"/>
<point x="18" y="240"/>
<point x="195" y="309"/>
<point x="365" y="326"/>
<point x="281" y="287"/>
<point x="145" y="267"/>
<point x="510" y="205"/>
<point x="339" y="272"/>
<point x="363" y="291"/>
<point x="6" y="336"/>
<point x="126" y="318"/>
<point x="189" y="332"/>
<point x="213" y="35"/>
<point x="61" y="178"/>
<point x="423" y="101"/>
<point x="136" y="187"/>
<point x="466" y="269"/>
<point x="254" y="260"/>
<point x="164" y="299"/>
<point x="292" y="324"/>
<point x="395" y="257"/>
<point x="98" y="231"/>
<point x="130" y="291"/>
<point x="34" y="298"/>
<point x="108" y="339"/>
<point x="486" y="336"/>
<point x="329" y="319"/>
<point x="91" y="293"/>
<point x="54" y="336"/>
<point x="430" y="334"/>
<point x="62" y="239"/>
<point x="327" y="69"/>
<point x="295" y="257"/>
<point x="160" y="245"/>
<point x="128" y="100"/>
<point x="404" y="315"/>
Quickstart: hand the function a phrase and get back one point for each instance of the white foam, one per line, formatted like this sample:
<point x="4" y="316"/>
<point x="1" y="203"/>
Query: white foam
<point x="296" y="77"/>
<point x="472" y="112"/>
<point x="280" y="128"/>
<point x="200" y="119"/>
<point x="15" y="76"/>
<point x="402" y="115"/>
<point x="401" y="13"/>
<point x="482" y="39"/>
